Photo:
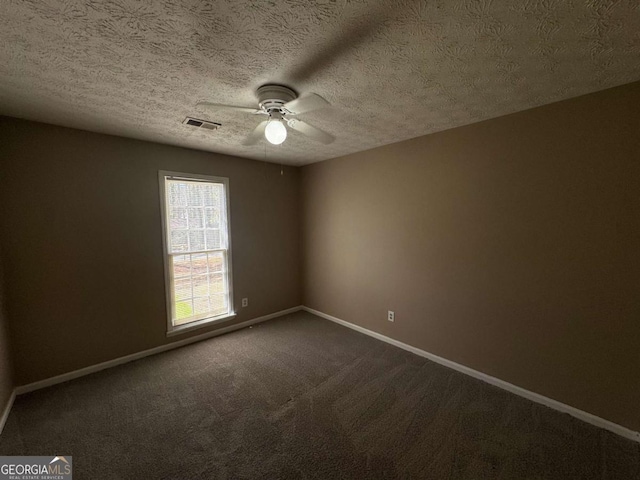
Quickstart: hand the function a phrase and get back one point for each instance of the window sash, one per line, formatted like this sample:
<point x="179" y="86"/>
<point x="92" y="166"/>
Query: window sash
<point x="220" y="211"/>
<point x="225" y="293"/>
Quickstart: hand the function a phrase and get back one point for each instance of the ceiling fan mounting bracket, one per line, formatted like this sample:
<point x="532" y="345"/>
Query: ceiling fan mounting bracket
<point x="273" y="97"/>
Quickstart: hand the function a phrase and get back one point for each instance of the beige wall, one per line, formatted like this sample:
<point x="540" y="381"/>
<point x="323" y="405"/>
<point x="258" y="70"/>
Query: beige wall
<point x="511" y="246"/>
<point x="6" y="371"/>
<point x="82" y="242"/>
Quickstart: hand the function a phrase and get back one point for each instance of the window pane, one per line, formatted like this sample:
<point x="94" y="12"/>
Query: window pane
<point x="196" y="240"/>
<point x="201" y="305"/>
<point x="211" y="218"/>
<point x="219" y="303"/>
<point x="177" y="194"/>
<point x="213" y="239"/>
<point x="216" y="283"/>
<point x="213" y="195"/>
<point x="178" y="218"/>
<point x="184" y="310"/>
<point x="182" y="288"/>
<point x="194" y="197"/>
<point x="199" y="264"/>
<point x="201" y="286"/>
<point x="216" y="262"/>
<point x="179" y="241"/>
<point x="181" y="266"/>
<point x="196" y="218"/>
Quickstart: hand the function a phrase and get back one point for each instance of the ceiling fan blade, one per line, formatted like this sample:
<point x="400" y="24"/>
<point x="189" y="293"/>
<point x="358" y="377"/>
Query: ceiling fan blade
<point x="257" y="134"/>
<point x="311" y="131"/>
<point x="306" y="103"/>
<point x="214" y="107"/>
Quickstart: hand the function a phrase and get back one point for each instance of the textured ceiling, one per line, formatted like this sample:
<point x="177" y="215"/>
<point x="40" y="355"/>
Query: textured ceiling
<point x="392" y="70"/>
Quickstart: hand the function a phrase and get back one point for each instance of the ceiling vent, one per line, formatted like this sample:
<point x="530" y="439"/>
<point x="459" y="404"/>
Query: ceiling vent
<point x="194" y="122"/>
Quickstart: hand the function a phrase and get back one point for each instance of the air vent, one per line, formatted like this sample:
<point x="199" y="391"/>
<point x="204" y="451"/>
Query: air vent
<point x="194" y="122"/>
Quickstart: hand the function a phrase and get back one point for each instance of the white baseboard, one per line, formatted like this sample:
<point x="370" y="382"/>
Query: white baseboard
<point x="535" y="397"/>
<point x="6" y="410"/>
<point x="65" y="377"/>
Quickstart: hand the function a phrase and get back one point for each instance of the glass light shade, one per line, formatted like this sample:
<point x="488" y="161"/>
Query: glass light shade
<point x="275" y="132"/>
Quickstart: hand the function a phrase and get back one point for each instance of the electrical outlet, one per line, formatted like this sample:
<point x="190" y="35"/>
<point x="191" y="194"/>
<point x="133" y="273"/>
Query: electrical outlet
<point x="245" y="302"/>
<point x="391" y="316"/>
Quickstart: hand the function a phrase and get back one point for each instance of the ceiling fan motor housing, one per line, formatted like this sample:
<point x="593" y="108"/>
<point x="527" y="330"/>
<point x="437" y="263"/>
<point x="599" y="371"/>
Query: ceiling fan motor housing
<point x="273" y="97"/>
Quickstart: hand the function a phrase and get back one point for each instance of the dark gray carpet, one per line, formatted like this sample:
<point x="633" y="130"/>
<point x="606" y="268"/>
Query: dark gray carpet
<point x="301" y="397"/>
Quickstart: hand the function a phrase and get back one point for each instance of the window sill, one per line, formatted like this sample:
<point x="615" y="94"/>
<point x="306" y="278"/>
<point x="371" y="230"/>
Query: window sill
<point x="205" y="322"/>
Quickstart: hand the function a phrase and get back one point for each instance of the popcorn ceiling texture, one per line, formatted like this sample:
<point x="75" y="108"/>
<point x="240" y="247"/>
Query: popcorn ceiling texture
<point x="392" y="70"/>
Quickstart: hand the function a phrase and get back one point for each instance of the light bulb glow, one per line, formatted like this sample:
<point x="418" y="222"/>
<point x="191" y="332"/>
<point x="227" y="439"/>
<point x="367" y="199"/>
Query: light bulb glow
<point x="275" y="132"/>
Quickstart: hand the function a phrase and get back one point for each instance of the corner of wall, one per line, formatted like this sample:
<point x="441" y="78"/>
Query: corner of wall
<point x="7" y="386"/>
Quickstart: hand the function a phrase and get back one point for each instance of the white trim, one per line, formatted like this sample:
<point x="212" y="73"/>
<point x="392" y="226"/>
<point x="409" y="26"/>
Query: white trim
<point x="6" y="411"/>
<point x="198" y="324"/>
<point x="535" y="397"/>
<point x="65" y="377"/>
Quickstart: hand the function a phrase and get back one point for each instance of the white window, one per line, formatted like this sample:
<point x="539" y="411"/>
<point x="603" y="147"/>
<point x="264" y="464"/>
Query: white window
<point x="195" y="214"/>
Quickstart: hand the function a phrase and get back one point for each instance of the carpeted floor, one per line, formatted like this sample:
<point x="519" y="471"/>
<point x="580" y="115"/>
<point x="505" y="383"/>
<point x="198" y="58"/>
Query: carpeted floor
<point x="301" y="397"/>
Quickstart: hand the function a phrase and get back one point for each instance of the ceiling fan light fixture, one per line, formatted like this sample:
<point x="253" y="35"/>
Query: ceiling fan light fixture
<point x="275" y="132"/>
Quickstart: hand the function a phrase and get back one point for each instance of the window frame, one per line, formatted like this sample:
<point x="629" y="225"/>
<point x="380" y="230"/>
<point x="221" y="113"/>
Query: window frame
<point x="168" y="273"/>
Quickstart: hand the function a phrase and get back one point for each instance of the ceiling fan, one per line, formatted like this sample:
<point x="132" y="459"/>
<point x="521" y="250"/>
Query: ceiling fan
<point x="281" y="104"/>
